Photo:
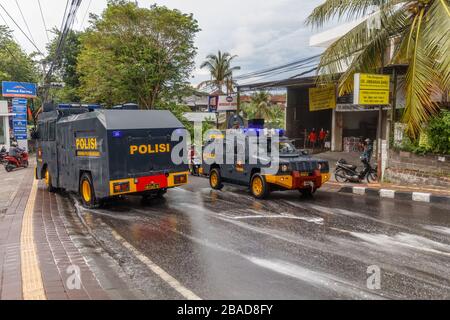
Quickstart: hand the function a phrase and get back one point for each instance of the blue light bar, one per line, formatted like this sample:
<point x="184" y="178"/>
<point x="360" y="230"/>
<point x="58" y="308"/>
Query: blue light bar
<point x="117" y="134"/>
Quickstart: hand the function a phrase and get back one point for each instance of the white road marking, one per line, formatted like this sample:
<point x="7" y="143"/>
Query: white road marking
<point x="171" y="281"/>
<point x="438" y="229"/>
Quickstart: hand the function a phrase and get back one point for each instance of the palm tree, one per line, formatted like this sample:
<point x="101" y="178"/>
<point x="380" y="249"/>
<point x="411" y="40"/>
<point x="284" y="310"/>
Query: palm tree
<point x="261" y="103"/>
<point x="419" y="30"/>
<point x="221" y="71"/>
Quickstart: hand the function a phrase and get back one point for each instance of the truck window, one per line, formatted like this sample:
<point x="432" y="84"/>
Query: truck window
<point x="51" y="130"/>
<point x="42" y="129"/>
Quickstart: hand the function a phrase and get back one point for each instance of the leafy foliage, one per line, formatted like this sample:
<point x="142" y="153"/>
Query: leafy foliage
<point x="136" y="54"/>
<point x="15" y="64"/>
<point x="221" y="70"/>
<point x="439" y="133"/>
<point x="416" y="27"/>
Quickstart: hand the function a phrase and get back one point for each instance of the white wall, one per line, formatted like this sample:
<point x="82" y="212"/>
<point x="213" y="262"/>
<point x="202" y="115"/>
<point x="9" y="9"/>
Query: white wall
<point x="4" y="117"/>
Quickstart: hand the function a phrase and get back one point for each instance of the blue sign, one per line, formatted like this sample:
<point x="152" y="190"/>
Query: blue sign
<point x="19" y="109"/>
<point x="19" y="102"/>
<point x="21" y="136"/>
<point x="20" y="116"/>
<point x="19" y="89"/>
<point x="19" y="124"/>
<point x="20" y="130"/>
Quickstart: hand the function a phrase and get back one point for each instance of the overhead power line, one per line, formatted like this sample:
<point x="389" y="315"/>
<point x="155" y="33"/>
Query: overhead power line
<point x="21" y="30"/>
<point x="86" y="13"/>
<point x="43" y="20"/>
<point x="289" y="67"/>
<point x="66" y="27"/>
<point x="25" y="21"/>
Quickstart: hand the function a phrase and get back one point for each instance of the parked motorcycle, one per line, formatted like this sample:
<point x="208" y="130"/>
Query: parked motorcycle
<point x="195" y="166"/>
<point x="20" y="161"/>
<point x="349" y="173"/>
<point x="3" y="154"/>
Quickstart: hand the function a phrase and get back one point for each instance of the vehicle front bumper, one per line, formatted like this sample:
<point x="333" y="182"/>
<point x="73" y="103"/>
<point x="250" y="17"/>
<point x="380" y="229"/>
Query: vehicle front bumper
<point x="299" y="181"/>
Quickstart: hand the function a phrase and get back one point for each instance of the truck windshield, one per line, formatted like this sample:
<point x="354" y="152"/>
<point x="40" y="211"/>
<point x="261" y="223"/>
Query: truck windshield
<point x="283" y="147"/>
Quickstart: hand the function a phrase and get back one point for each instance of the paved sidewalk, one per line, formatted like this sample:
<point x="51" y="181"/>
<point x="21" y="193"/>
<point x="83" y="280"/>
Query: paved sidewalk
<point x="389" y="190"/>
<point x="41" y="254"/>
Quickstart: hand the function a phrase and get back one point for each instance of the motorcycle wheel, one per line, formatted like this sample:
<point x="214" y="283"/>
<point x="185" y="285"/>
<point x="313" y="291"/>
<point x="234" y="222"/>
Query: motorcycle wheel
<point x="9" y="168"/>
<point x="340" y="177"/>
<point x="372" y="177"/>
<point x="25" y="164"/>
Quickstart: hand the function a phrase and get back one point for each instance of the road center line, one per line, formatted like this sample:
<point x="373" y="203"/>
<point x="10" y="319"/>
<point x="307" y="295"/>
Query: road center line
<point x="171" y="281"/>
<point x="32" y="285"/>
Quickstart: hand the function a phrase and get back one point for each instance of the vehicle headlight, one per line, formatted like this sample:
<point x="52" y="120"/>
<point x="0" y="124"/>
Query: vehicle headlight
<point x="284" y="168"/>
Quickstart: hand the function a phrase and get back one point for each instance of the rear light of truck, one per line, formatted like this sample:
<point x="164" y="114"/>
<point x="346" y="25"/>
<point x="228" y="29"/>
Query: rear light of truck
<point x="121" y="187"/>
<point x="180" y="179"/>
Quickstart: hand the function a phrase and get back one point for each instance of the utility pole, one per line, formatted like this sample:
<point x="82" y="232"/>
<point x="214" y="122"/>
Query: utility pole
<point x="394" y="102"/>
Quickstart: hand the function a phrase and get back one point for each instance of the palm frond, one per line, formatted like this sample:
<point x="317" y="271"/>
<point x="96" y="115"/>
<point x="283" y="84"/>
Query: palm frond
<point x="419" y="84"/>
<point x="347" y="9"/>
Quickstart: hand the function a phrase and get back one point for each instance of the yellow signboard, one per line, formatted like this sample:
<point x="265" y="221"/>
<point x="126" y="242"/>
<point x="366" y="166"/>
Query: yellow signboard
<point x="322" y="98"/>
<point x="372" y="89"/>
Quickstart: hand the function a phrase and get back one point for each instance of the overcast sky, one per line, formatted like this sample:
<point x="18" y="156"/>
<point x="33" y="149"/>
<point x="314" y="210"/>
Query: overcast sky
<point x="261" y="33"/>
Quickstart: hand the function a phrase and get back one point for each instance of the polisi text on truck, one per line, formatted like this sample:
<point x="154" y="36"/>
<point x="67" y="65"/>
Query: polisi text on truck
<point x="149" y="149"/>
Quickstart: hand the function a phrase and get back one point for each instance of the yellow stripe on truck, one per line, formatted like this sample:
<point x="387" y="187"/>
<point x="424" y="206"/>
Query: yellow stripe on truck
<point x="282" y="181"/>
<point x="130" y="181"/>
<point x="171" y="179"/>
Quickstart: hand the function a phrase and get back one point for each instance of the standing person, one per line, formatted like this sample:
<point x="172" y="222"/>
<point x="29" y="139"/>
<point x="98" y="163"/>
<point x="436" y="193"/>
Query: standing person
<point x="322" y="136"/>
<point x="312" y="138"/>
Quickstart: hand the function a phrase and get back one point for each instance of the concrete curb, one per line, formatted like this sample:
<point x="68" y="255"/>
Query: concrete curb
<point x="398" y="195"/>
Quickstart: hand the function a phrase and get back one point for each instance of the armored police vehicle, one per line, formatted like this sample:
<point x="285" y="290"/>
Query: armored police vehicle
<point x="296" y="171"/>
<point x="107" y="153"/>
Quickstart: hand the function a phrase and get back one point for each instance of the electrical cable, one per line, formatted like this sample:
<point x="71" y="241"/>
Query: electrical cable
<point x="21" y="30"/>
<point x="43" y="20"/>
<point x="25" y="21"/>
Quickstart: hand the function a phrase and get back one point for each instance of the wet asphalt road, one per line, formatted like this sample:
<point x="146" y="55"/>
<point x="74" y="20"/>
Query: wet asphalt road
<point x="227" y="245"/>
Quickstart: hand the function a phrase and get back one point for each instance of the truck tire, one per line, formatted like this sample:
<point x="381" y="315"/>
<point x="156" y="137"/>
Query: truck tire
<point x="87" y="192"/>
<point x="215" y="179"/>
<point x="259" y="187"/>
<point x="48" y="181"/>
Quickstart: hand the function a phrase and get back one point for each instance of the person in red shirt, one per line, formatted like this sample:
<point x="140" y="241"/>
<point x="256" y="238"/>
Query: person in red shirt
<point x="312" y="138"/>
<point x="322" y="137"/>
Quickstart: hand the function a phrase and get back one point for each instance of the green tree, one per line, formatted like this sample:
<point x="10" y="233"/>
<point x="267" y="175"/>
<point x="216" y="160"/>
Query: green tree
<point x="261" y="105"/>
<point x="419" y="31"/>
<point x="15" y="64"/>
<point x="221" y="70"/>
<point x="136" y="54"/>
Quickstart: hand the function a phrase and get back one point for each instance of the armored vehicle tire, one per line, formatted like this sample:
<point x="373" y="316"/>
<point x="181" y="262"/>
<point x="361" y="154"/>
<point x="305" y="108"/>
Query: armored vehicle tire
<point x="215" y="180"/>
<point x="87" y="192"/>
<point x="259" y="187"/>
<point x="48" y="181"/>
